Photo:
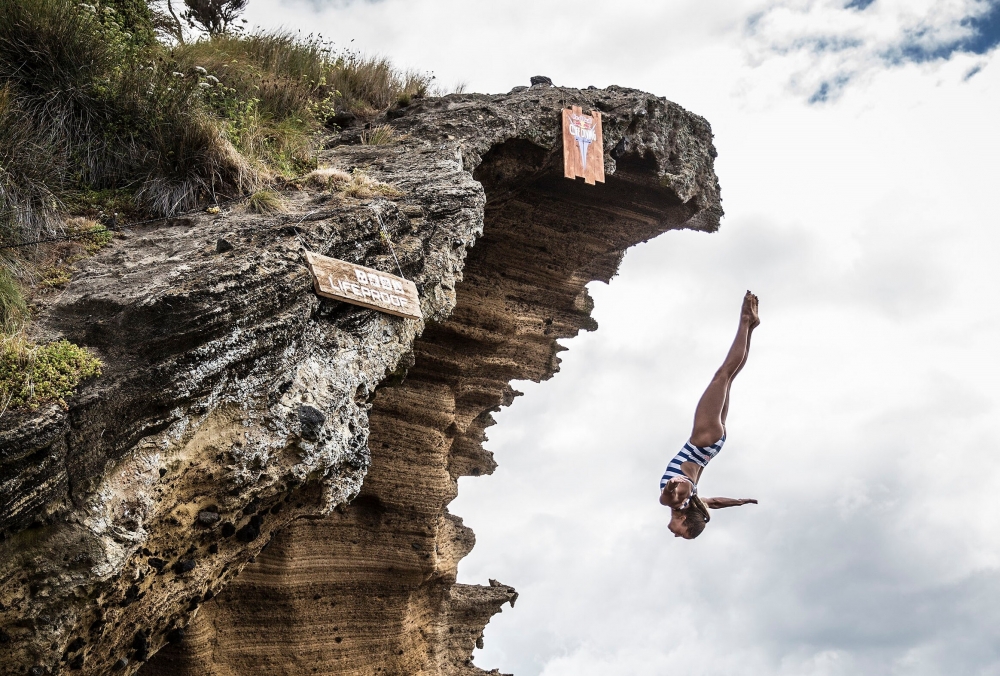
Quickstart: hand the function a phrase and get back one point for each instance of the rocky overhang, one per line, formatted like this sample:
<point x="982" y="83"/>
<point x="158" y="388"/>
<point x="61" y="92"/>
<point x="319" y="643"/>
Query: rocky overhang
<point x="243" y="426"/>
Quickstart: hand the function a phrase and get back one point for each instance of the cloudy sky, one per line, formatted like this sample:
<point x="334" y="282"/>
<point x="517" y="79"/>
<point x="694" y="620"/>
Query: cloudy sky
<point x="858" y="152"/>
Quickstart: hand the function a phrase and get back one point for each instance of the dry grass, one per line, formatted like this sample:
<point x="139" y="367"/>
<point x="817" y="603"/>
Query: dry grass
<point x="97" y="117"/>
<point x="13" y="308"/>
<point x="357" y="183"/>
<point x="363" y="186"/>
<point x="326" y="178"/>
<point x="275" y="91"/>
<point x="91" y="104"/>
<point x="266" y="202"/>
<point x="379" y="135"/>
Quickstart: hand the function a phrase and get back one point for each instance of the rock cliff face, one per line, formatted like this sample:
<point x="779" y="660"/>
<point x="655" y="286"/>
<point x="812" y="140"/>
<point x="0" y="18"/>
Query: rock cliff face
<point x="244" y="426"/>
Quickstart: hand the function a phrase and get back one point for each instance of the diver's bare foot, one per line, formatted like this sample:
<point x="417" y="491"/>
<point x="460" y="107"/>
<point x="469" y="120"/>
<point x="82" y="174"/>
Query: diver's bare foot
<point x="749" y="310"/>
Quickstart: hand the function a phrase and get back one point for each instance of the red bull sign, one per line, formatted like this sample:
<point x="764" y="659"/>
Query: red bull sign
<point x="583" y="145"/>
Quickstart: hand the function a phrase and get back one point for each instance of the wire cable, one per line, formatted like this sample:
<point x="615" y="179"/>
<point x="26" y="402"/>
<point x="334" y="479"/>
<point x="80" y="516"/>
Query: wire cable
<point x="114" y="227"/>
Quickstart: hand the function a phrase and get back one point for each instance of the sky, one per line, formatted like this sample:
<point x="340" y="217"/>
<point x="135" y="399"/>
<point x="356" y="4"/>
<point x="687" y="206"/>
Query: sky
<point x="858" y="155"/>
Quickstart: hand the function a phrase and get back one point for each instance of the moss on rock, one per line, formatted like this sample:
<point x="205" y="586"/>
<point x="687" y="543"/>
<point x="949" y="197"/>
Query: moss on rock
<point x="31" y="375"/>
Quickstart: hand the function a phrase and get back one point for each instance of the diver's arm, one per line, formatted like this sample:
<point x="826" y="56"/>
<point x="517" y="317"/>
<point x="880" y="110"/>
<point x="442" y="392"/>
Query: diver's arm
<point x="719" y="503"/>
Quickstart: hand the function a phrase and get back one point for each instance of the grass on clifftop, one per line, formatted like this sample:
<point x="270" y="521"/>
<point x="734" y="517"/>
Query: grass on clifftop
<point x="95" y="113"/>
<point x="97" y="116"/>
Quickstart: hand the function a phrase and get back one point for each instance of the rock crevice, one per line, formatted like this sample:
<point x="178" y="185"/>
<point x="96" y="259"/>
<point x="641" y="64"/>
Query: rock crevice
<point x="244" y="424"/>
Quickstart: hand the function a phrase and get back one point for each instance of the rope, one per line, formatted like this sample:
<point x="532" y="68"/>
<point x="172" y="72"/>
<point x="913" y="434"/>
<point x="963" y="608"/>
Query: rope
<point x="114" y="227"/>
<point x="388" y="241"/>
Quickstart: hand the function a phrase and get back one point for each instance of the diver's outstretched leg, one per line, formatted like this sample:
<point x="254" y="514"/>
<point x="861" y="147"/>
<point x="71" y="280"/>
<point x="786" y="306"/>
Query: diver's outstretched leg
<point x="710" y="416"/>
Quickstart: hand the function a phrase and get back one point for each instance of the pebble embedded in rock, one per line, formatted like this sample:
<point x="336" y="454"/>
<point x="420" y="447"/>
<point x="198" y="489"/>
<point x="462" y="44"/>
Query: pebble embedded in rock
<point x="208" y="518"/>
<point x="223" y="245"/>
<point x="311" y="420"/>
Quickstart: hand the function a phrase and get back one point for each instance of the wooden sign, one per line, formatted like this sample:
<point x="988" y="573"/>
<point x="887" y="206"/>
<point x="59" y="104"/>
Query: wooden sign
<point x="583" y="145"/>
<point x="363" y="286"/>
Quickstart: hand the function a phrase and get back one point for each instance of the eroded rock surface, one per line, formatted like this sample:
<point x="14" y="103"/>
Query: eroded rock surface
<point x="244" y="424"/>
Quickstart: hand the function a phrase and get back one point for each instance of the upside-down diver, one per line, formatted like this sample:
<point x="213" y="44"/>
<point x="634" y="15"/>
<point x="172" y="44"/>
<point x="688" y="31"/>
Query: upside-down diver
<point x="679" y="485"/>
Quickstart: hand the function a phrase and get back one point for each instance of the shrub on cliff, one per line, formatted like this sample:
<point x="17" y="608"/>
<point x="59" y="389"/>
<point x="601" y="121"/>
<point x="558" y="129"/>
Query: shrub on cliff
<point x="277" y="90"/>
<point x="96" y="114"/>
<point x="31" y="375"/>
<point x="87" y="88"/>
<point x="91" y="103"/>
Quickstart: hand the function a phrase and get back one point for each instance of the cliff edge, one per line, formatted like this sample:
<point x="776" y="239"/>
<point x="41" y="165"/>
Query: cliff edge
<point x="245" y="427"/>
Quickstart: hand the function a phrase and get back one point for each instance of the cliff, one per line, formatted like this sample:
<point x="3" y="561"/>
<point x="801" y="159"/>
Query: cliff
<point x="245" y="427"/>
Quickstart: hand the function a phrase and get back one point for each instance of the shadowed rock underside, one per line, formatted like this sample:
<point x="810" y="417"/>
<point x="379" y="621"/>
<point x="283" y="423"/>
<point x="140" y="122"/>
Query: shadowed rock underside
<point x="246" y="427"/>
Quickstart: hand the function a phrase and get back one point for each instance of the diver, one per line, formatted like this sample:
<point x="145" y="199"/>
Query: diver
<point x="679" y="485"/>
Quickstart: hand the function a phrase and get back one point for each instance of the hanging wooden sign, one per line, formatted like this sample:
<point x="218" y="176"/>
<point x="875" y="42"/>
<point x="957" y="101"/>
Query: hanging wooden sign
<point x="583" y="145"/>
<point x="358" y="285"/>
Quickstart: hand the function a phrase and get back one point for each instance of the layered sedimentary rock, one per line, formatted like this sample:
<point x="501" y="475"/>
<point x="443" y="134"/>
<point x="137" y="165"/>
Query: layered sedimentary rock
<point x="244" y="424"/>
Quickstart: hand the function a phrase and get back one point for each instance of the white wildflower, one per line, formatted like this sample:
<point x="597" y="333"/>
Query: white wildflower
<point x="213" y="79"/>
<point x="89" y="8"/>
<point x="176" y="74"/>
<point x="205" y="85"/>
<point x="201" y="71"/>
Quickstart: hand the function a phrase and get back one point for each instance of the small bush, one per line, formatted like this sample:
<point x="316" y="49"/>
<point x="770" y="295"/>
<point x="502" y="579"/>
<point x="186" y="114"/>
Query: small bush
<point x="326" y="178"/>
<point x="363" y="186"/>
<point x="31" y="375"/>
<point x="92" y="235"/>
<point x="276" y="91"/>
<point x="54" y="277"/>
<point x="265" y="202"/>
<point x="380" y="135"/>
<point x="31" y="172"/>
<point x="89" y="100"/>
<point x="97" y="116"/>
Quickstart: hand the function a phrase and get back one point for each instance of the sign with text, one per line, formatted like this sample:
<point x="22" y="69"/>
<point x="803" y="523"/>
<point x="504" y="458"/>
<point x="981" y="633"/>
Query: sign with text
<point x="358" y="285"/>
<point x="583" y="145"/>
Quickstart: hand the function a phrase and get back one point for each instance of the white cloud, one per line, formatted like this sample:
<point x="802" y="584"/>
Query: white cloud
<point x="829" y="43"/>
